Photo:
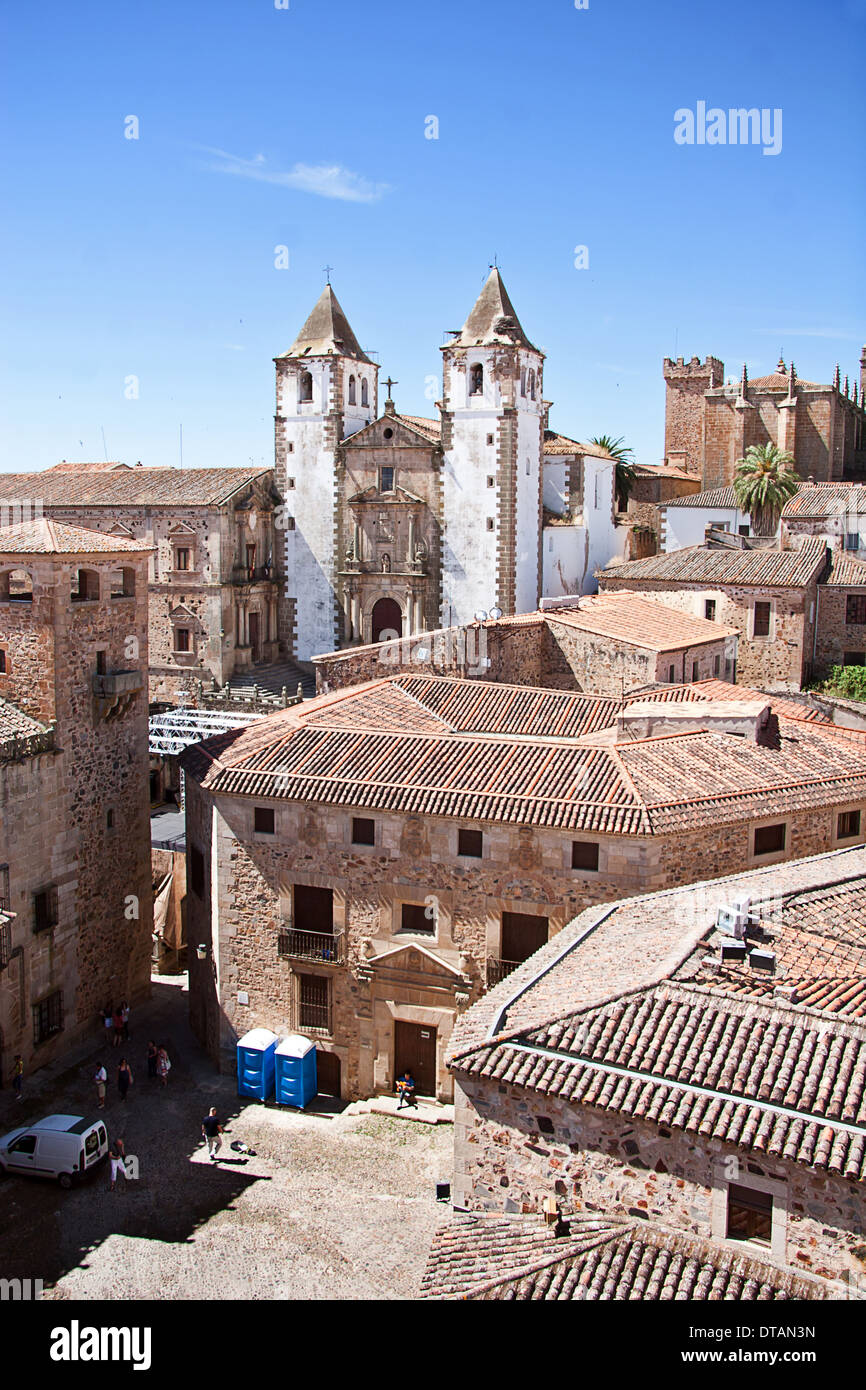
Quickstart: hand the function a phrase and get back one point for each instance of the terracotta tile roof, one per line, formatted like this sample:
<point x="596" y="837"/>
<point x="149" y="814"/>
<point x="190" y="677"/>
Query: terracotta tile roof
<point x="513" y="754"/>
<point x="46" y="537"/>
<point x="630" y="945"/>
<point x="779" y="381"/>
<point x="846" y="571"/>
<point x="775" y="1079"/>
<point x="521" y="1258"/>
<point x="819" y="501"/>
<point x="698" y="564"/>
<point x="665" y="470"/>
<point x="561" y="444"/>
<point x="14" y="723"/>
<point x="639" y="622"/>
<point x="129" y="487"/>
<point x="65" y="467"/>
<point x="714" y="497"/>
<point x="432" y="429"/>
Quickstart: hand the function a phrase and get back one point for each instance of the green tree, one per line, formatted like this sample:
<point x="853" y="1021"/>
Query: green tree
<point x="764" y="480"/>
<point x="623" y="457"/>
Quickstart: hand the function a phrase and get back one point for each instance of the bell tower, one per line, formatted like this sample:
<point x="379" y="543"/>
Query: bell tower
<point x="492" y="438"/>
<point x="327" y="389"/>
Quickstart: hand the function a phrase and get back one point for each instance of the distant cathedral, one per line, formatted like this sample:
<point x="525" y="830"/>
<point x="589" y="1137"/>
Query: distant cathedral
<point x="398" y="524"/>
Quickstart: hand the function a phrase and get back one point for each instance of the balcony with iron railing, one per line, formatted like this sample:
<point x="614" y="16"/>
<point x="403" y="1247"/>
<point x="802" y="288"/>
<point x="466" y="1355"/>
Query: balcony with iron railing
<point x="322" y="948"/>
<point x="498" y="970"/>
<point x="252" y="574"/>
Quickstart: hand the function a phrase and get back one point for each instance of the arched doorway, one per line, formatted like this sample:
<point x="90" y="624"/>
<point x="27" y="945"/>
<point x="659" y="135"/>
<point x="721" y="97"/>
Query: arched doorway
<point x="387" y="620"/>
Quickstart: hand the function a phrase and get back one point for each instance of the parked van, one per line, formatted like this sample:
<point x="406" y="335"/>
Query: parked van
<point x="64" y="1147"/>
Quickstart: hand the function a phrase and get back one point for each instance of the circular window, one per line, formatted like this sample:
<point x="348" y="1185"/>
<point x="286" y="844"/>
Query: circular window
<point x="388" y="433"/>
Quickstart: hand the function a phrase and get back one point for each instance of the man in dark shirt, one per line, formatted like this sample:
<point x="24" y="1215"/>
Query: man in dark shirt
<point x="405" y="1089"/>
<point x="211" y="1130"/>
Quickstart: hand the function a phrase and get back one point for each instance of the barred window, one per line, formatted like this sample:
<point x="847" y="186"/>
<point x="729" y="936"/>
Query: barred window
<point x="855" y="609"/>
<point x="5" y="943"/>
<point x="48" y="1017"/>
<point x="314" y="1002"/>
<point x="45" y="914"/>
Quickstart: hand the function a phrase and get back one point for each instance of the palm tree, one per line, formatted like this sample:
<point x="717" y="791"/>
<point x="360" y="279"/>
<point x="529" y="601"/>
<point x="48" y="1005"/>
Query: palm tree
<point x="618" y="450"/>
<point x="764" y="480"/>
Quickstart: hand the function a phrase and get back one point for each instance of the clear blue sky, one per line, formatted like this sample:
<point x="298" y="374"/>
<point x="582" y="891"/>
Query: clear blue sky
<point x="155" y="257"/>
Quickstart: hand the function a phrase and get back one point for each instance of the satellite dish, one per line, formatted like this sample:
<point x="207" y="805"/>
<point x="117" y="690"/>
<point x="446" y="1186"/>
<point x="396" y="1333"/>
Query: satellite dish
<point x="480" y="616"/>
<point x="495" y="614"/>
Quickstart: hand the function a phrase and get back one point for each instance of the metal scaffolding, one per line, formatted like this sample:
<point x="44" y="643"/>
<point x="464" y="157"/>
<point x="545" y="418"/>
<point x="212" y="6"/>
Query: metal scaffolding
<point x="174" y="730"/>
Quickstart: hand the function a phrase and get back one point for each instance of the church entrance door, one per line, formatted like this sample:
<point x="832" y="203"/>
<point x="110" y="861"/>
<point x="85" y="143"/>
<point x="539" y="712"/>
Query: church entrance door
<point x="387" y="620"/>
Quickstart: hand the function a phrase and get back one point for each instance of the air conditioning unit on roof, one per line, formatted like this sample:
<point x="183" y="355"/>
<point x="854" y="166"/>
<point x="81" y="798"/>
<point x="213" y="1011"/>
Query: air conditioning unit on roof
<point x="733" y="918"/>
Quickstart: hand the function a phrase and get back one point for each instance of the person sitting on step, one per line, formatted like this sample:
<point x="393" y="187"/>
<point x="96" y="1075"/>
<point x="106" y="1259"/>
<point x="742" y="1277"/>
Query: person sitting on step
<point x="405" y="1089"/>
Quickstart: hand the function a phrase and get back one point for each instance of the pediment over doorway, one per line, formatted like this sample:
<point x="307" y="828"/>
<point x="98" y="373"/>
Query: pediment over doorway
<point x="413" y="959"/>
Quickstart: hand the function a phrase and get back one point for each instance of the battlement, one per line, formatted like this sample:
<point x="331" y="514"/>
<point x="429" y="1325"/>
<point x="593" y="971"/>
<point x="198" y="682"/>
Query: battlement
<point x="711" y="372"/>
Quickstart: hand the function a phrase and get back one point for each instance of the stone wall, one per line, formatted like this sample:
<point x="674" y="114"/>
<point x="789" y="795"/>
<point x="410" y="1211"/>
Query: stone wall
<point x="777" y="662"/>
<point x="836" y="636"/>
<point x="413" y="860"/>
<point x="576" y="660"/>
<point x="600" y="1161"/>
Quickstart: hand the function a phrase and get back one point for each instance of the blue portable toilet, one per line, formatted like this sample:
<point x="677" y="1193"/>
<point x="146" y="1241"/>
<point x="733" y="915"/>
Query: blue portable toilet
<point x="256" y="1063"/>
<point x="296" y="1082"/>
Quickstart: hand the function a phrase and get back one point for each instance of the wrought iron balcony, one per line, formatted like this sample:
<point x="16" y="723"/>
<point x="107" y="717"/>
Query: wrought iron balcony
<point x="322" y="947"/>
<point x="497" y="970"/>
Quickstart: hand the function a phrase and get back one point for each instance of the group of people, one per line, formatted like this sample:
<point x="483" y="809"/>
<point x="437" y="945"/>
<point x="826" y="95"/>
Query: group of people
<point x="116" y="1023"/>
<point x="158" y="1068"/>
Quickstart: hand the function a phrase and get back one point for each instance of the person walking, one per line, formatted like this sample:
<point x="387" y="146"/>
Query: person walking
<point x="124" y="1015"/>
<point x="101" y="1079"/>
<point x="18" y="1075"/>
<point x="117" y="1022"/>
<point x="152" y="1057"/>
<point x="117" y="1154"/>
<point x="211" y="1130"/>
<point x="163" y="1066"/>
<point x="124" y="1078"/>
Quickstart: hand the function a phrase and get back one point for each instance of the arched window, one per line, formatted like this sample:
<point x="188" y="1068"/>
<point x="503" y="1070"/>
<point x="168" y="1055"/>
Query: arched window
<point x="305" y="389"/>
<point x="351" y="390"/>
<point x="523" y="381"/>
<point x="365" y="392"/>
<point x="16" y="586"/>
<point x="476" y="380"/>
<point x="532" y="383"/>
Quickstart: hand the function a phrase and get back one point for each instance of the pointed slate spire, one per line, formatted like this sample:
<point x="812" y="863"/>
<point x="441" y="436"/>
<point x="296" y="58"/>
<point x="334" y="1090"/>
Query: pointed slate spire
<point x="493" y="318"/>
<point x="327" y="331"/>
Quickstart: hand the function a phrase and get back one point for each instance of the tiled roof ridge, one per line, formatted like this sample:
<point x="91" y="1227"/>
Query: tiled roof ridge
<point x="567" y="1249"/>
<point x="744" y="1006"/>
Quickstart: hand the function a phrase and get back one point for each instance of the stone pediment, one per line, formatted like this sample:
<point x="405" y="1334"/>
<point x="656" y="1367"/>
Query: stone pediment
<point x="117" y="528"/>
<point x="371" y="496"/>
<point x="402" y="434"/>
<point x="179" y="612"/>
<point x="413" y="959"/>
<point x="180" y="528"/>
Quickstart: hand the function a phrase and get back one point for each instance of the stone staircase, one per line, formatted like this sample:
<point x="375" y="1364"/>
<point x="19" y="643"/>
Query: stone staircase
<point x="289" y="674"/>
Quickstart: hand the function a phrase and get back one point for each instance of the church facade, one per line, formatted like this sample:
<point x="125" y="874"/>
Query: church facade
<point x="396" y="524"/>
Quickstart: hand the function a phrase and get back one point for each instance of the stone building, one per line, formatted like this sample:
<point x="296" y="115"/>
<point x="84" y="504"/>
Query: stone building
<point x="74" y="936"/>
<point x="364" y="865"/>
<point x="683" y="521"/>
<point x="769" y="596"/>
<point x="832" y="512"/>
<point x="651" y="1068"/>
<point x="213" y="584"/>
<point x="397" y="523"/>
<point x="709" y="423"/>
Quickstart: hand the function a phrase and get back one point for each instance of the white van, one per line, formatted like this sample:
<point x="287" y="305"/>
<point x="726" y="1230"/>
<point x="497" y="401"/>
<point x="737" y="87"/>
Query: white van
<point x="64" y="1147"/>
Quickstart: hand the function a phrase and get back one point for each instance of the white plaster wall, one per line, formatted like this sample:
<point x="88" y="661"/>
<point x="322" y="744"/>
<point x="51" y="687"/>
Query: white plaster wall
<point x="565" y="553"/>
<point x="599" y="477"/>
<point x="469" y="549"/>
<point x="310" y="546"/>
<point x="554" y="495"/>
<point x="682" y="526"/>
<point x="528" y="536"/>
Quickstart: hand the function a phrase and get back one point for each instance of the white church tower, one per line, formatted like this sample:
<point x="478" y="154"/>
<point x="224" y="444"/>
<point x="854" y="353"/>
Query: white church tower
<point x="327" y="389"/>
<point x="493" y="441"/>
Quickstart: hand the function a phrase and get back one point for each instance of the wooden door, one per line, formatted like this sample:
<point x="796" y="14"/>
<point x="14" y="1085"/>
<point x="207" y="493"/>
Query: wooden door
<point x="415" y="1051"/>
<point x="255" y="637"/>
<point x="387" y="620"/>
<point x="314" y="909"/>
<point x="522" y="935"/>
<point x="327" y="1073"/>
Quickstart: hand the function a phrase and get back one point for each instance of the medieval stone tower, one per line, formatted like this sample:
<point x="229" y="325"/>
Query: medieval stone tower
<point x="74" y="793"/>
<point x="492" y="440"/>
<point x="327" y="389"/>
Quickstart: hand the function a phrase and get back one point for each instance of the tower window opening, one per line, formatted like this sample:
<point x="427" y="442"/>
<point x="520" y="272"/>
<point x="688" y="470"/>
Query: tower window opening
<point x="476" y="380"/>
<point x="351" y="390"/>
<point x="305" y="388"/>
<point x="365" y="392"/>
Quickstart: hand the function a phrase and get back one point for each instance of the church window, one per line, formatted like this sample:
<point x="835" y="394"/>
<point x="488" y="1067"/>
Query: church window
<point x="490" y="439"/>
<point x="388" y="432"/>
<point x="351" y="390"/>
<point x="523" y="381"/>
<point x="305" y="390"/>
<point x="386" y="480"/>
<point x="290" y="448"/>
<point x="491" y="481"/>
<point x="290" y="482"/>
<point x="532" y="383"/>
<point x="490" y="523"/>
<point x="365" y="392"/>
<point x="476" y="380"/>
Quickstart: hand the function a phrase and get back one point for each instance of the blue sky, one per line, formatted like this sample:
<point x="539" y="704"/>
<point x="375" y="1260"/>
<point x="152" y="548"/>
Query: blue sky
<point x="154" y="257"/>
